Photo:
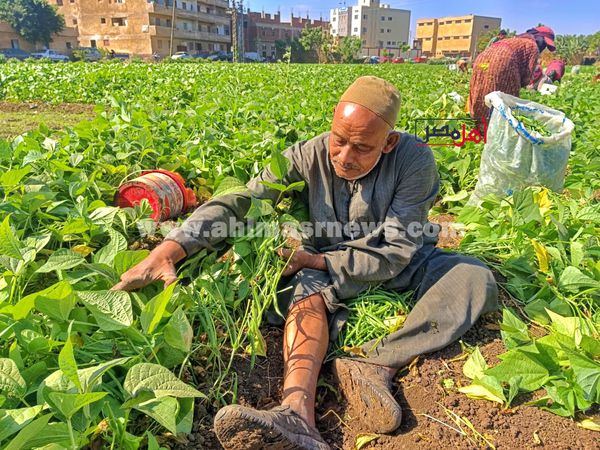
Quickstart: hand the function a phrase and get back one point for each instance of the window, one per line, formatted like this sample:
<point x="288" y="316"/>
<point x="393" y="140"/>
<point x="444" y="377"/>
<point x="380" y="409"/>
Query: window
<point x="467" y="20"/>
<point x="74" y="21"/>
<point x="198" y="46"/>
<point x="427" y="39"/>
<point x="185" y="26"/>
<point x="380" y="44"/>
<point x="364" y="16"/>
<point x="168" y="22"/>
<point x="364" y="30"/>
<point x="333" y="19"/>
<point x="458" y="21"/>
<point x="389" y="43"/>
<point x="71" y="1"/>
<point x="59" y="2"/>
<point x="102" y="19"/>
<point x="183" y="5"/>
<point x="14" y="43"/>
<point x="356" y="17"/>
<point x="486" y="26"/>
<point x="389" y="30"/>
<point x="157" y="21"/>
<point x="93" y="43"/>
<point x="456" y="37"/>
<point x="364" y="42"/>
<point x="69" y="45"/>
<point x="106" y="42"/>
<point x="118" y="21"/>
<point x="389" y="18"/>
<point x="381" y="30"/>
<point x="382" y="17"/>
<point x="119" y="1"/>
<point x="356" y="30"/>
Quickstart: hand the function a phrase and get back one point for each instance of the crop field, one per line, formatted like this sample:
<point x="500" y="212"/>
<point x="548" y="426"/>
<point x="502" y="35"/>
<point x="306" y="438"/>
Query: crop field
<point x="82" y="366"/>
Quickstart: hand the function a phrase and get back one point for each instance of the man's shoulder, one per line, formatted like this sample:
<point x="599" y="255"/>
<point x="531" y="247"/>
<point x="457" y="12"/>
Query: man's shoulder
<point x="318" y="142"/>
<point x="411" y="149"/>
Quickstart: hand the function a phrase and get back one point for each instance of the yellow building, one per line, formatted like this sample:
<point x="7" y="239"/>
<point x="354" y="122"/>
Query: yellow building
<point x="143" y="27"/>
<point x="453" y="36"/>
<point x="62" y="42"/>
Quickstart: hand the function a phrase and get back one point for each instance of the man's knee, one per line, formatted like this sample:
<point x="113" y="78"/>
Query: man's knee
<point x="481" y="282"/>
<point x="314" y="303"/>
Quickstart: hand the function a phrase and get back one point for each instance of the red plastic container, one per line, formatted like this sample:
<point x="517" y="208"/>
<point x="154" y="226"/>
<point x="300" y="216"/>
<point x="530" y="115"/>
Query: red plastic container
<point x="164" y="190"/>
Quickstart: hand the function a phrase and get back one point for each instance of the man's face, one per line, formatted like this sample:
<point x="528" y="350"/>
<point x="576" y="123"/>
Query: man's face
<point x="357" y="140"/>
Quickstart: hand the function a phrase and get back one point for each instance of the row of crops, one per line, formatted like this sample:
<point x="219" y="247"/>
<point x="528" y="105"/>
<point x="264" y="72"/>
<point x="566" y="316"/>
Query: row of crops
<point x="81" y="363"/>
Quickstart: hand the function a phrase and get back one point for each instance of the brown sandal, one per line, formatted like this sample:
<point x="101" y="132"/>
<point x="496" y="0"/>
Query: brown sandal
<point x="242" y="428"/>
<point x="366" y="388"/>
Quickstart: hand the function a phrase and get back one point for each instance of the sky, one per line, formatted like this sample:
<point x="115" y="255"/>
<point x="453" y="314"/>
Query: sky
<point x="565" y="17"/>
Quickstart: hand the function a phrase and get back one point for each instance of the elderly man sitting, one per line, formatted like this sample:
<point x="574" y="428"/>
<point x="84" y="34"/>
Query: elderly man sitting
<point x="362" y="171"/>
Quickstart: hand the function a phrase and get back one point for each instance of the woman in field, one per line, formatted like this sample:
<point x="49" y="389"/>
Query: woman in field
<point x="507" y="66"/>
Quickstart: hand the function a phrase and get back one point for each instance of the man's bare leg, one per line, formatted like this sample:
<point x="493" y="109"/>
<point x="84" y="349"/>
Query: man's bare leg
<point x="305" y="341"/>
<point x="291" y="425"/>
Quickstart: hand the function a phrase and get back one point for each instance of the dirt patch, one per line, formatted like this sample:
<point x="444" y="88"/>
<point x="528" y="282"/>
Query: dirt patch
<point x="450" y="234"/>
<point x="66" y="108"/>
<point x="429" y="398"/>
<point x="432" y="406"/>
<point x="19" y="118"/>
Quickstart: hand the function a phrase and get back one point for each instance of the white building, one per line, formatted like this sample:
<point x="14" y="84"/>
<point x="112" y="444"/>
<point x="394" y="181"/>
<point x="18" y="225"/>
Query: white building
<point x="378" y="26"/>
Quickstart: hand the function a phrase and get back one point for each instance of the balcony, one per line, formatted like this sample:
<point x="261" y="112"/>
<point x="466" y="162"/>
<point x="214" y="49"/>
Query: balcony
<point x="189" y="34"/>
<point x="187" y="14"/>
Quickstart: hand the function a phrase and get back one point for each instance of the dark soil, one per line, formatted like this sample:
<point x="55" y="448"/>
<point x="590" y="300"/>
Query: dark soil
<point x="67" y="108"/>
<point x="19" y="118"/>
<point x="450" y="236"/>
<point x="427" y="392"/>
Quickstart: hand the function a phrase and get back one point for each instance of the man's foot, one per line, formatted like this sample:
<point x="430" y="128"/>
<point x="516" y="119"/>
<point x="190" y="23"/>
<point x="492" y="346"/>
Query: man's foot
<point x="367" y="390"/>
<point x="242" y="428"/>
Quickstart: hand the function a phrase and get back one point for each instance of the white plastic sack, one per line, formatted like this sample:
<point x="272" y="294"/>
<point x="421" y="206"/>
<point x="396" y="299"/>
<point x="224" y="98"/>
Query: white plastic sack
<point x="515" y="157"/>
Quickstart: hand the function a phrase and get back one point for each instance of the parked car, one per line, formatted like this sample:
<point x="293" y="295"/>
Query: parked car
<point x="253" y="57"/>
<point x="50" y="54"/>
<point x="88" y="53"/>
<point x="397" y="60"/>
<point x="420" y="59"/>
<point x="15" y="53"/>
<point x="371" y="60"/>
<point x="181" y="55"/>
<point x="220" y="56"/>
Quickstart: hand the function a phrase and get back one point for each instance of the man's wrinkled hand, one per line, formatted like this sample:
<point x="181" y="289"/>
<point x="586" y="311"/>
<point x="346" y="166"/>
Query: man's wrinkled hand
<point x="300" y="259"/>
<point x="158" y="266"/>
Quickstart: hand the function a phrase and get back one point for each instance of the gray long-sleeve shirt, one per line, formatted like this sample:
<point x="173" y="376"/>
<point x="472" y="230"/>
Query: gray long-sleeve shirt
<point x="368" y="229"/>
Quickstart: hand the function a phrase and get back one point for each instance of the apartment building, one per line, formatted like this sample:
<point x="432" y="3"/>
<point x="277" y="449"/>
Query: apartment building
<point x="453" y="36"/>
<point x="145" y="27"/>
<point x="62" y="42"/>
<point x="379" y="27"/>
<point x="262" y="30"/>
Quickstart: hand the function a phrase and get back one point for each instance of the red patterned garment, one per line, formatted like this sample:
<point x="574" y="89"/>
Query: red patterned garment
<point x="506" y="66"/>
<point x="555" y="70"/>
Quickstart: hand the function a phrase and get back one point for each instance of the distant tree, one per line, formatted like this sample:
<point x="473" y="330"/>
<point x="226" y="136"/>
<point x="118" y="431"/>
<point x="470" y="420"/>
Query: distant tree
<point x="484" y="39"/>
<point x="348" y="48"/>
<point x="297" y="54"/>
<point x="594" y="44"/>
<point x="319" y="42"/>
<point x="571" y="48"/>
<point x="34" y="20"/>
